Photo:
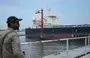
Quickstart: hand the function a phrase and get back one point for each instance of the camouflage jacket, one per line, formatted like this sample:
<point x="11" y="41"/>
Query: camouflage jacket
<point x="11" y="45"/>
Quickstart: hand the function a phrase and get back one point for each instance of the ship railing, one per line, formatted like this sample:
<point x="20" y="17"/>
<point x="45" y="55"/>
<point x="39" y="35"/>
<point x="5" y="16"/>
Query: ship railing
<point x="67" y="47"/>
<point x="73" y="47"/>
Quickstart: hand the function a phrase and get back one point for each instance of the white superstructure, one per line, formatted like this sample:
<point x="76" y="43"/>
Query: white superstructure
<point x="49" y="19"/>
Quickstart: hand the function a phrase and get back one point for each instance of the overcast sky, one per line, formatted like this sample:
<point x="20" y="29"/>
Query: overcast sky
<point x="69" y="11"/>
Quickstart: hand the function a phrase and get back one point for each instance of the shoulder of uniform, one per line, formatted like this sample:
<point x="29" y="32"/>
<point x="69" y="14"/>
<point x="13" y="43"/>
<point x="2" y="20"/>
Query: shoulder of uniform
<point x="11" y="34"/>
<point x="3" y="32"/>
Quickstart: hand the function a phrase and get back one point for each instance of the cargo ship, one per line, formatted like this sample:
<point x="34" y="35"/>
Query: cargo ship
<point x="46" y="26"/>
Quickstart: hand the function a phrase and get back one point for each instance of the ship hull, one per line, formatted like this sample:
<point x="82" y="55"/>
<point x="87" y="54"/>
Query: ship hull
<point x="57" y="33"/>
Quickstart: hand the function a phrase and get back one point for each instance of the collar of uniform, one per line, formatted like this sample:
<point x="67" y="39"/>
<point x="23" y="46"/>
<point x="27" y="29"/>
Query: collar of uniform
<point x="12" y="29"/>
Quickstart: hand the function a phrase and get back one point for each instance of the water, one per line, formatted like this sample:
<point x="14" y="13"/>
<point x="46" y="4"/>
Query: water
<point x="59" y="46"/>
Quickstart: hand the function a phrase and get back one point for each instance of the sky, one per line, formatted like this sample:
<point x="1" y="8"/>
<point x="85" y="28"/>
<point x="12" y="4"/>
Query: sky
<point x="68" y="11"/>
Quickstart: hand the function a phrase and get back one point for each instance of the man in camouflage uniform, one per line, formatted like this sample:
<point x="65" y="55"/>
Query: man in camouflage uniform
<point x="11" y="44"/>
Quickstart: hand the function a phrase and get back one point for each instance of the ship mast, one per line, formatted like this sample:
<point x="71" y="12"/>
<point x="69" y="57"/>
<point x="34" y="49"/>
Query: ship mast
<point x="41" y="23"/>
<point x="41" y="20"/>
